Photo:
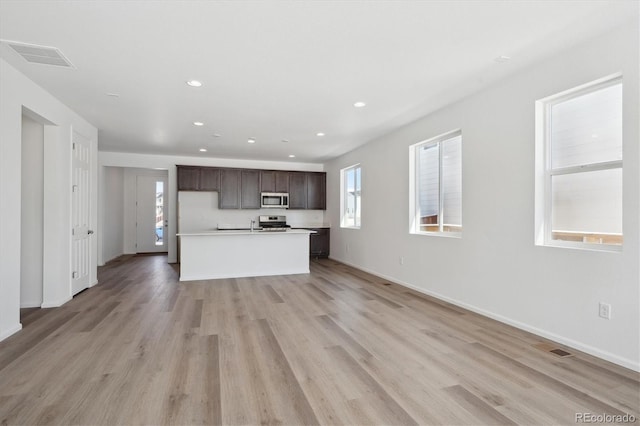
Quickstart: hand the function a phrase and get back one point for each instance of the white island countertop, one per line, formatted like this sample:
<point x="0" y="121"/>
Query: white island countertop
<point x="215" y="254"/>
<point x="222" y="232"/>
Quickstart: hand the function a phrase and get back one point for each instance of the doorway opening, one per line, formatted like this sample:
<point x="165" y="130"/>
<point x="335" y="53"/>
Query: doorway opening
<point x="31" y="213"/>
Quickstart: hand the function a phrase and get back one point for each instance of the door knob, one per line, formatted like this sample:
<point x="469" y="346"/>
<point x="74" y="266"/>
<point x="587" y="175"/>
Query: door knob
<point x="90" y="231"/>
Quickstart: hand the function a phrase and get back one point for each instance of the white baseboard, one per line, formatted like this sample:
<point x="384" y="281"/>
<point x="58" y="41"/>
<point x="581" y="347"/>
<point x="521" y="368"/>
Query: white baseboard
<point x="55" y="303"/>
<point x="10" y="331"/>
<point x="30" y="304"/>
<point x="624" y="362"/>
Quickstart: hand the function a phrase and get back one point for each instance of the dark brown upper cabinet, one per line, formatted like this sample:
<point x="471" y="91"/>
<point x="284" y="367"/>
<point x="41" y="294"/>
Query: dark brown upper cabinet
<point x="297" y="190"/>
<point x="241" y="188"/>
<point x="188" y="178"/>
<point x="250" y="189"/>
<point x="229" y="196"/>
<point x="195" y="178"/>
<point x="274" y="181"/>
<point x="209" y="179"/>
<point x="316" y="191"/>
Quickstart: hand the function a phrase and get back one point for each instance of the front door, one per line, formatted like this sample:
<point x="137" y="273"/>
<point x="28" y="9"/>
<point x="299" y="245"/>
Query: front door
<point x="151" y="214"/>
<point x="80" y="204"/>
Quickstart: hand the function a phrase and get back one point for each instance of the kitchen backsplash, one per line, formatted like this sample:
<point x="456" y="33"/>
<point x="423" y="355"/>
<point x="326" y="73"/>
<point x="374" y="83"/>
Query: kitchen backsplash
<point x="198" y="211"/>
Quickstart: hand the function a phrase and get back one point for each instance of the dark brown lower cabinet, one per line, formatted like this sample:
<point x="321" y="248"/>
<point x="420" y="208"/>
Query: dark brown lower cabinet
<point x="319" y="242"/>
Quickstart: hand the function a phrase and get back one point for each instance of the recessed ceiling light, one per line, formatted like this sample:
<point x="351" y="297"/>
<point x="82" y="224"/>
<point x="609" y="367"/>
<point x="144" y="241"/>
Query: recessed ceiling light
<point x="595" y="135"/>
<point x="359" y="104"/>
<point x="291" y="156"/>
<point x="203" y="149"/>
<point x="319" y="134"/>
<point x="251" y="140"/>
<point x="502" y="58"/>
<point x="113" y="95"/>
<point x="216" y="135"/>
<point x="194" y="83"/>
<point x="285" y="140"/>
<point x="198" y="123"/>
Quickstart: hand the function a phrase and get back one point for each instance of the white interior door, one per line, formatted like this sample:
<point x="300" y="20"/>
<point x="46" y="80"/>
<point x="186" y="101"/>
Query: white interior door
<point x="151" y="214"/>
<point x="80" y="199"/>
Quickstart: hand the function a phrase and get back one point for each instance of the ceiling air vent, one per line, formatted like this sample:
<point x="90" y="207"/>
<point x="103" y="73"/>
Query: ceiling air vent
<point x="40" y="54"/>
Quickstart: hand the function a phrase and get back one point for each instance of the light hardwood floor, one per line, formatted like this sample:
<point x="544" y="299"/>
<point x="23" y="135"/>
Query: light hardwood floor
<point x="338" y="346"/>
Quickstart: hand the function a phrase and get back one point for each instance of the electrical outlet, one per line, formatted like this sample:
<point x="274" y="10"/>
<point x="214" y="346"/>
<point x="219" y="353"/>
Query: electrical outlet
<point x="401" y="260"/>
<point x="605" y="310"/>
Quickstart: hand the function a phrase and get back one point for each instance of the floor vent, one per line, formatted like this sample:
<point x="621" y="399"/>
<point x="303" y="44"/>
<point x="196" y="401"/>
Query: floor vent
<point x="560" y="352"/>
<point x="552" y="348"/>
<point x="386" y="283"/>
<point x="36" y="54"/>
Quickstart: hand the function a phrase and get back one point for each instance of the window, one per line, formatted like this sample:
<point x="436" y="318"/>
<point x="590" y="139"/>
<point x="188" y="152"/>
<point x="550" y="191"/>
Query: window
<point x="436" y="168"/>
<point x="579" y="164"/>
<point x="351" y="201"/>
<point x="159" y="213"/>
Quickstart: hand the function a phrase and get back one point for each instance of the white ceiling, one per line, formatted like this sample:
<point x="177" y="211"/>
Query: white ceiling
<point x="274" y="70"/>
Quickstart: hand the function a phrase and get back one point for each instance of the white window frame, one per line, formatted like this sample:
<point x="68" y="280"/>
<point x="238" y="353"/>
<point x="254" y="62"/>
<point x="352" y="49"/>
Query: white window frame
<point x="414" y="187"/>
<point x="344" y="194"/>
<point x="545" y="171"/>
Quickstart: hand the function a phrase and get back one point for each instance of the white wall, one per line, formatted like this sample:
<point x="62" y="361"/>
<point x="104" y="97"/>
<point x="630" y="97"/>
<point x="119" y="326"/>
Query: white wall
<point x="32" y="213"/>
<point x="18" y="92"/>
<point x="495" y="268"/>
<point x="168" y="163"/>
<point x="112" y="212"/>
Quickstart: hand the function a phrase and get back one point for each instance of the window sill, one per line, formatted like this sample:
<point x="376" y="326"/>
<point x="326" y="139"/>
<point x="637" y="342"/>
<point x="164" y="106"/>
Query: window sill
<point x="607" y="248"/>
<point x="349" y="227"/>
<point x="439" y="234"/>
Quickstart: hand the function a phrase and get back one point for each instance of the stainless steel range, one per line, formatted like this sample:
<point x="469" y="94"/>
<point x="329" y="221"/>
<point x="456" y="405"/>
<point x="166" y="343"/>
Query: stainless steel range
<point x="273" y="223"/>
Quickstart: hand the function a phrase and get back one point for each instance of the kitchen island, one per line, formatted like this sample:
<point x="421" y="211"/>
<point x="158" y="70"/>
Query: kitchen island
<point x="243" y="253"/>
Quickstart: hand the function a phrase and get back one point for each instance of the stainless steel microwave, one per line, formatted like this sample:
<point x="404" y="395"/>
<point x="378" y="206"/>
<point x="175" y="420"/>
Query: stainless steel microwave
<point x="274" y="200"/>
